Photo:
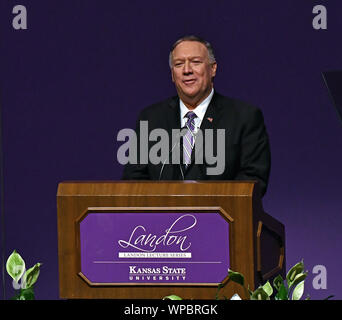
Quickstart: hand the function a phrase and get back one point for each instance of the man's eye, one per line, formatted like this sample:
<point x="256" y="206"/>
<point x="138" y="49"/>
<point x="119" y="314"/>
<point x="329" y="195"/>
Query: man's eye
<point x="178" y="64"/>
<point x="197" y="61"/>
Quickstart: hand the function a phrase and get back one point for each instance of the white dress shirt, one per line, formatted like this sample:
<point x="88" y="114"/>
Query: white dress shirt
<point x="200" y="111"/>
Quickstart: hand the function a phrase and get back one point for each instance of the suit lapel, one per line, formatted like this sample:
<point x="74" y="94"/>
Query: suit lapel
<point x="209" y="122"/>
<point x="173" y="118"/>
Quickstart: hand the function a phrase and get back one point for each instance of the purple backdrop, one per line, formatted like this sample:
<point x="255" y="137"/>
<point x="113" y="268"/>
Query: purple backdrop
<point x="83" y="70"/>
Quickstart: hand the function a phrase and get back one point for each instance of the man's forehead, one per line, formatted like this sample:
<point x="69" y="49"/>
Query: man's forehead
<point x="190" y="49"/>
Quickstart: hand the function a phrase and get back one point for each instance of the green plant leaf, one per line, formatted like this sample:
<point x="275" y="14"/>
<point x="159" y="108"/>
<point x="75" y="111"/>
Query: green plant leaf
<point x="298" y="291"/>
<point x="236" y="277"/>
<point x="260" y="294"/>
<point x="16" y="297"/>
<point x="220" y="285"/>
<point x="172" y="297"/>
<point x="26" y="294"/>
<point x="293" y="272"/>
<point x="298" y="278"/>
<point x="277" y="282"/>
<point x="15" y="266"/>
<point x="268" y="288"/>
<point x="31" y="275"/>
<point x="282" y="293"/>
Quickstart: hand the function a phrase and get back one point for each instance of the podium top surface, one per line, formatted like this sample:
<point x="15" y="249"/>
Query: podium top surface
<point x="167" y="188"/>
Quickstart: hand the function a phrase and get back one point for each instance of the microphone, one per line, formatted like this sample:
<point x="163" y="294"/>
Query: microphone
<point x="180" y="135"/>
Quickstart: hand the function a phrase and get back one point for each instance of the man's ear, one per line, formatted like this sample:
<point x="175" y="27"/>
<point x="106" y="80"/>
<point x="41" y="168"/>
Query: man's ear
<point x="173" y="79"/>
<point x="213" y="69"/>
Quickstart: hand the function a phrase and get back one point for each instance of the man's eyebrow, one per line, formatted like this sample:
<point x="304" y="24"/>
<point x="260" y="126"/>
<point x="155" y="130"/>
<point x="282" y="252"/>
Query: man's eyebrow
<point x="194" y="57"/>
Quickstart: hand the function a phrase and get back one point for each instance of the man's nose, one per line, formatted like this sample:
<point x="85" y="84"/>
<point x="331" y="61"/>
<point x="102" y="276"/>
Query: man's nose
<point x="187" y="68"/>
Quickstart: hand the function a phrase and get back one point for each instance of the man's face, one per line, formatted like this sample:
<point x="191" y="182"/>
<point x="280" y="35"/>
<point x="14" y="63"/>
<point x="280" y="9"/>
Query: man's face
<point x="192" y="72"/>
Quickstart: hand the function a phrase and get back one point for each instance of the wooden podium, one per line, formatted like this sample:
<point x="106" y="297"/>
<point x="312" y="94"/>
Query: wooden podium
<point x="256" y="244"/>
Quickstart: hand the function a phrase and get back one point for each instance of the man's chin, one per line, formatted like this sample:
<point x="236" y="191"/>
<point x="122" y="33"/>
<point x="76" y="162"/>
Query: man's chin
<point x="190" y="94"/>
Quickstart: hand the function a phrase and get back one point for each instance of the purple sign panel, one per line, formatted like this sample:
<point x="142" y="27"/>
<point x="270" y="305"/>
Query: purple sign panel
<point x="154" y="247"/>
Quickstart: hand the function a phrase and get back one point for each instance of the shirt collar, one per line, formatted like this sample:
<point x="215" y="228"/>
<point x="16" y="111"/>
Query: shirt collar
<point x="199" y="110"/>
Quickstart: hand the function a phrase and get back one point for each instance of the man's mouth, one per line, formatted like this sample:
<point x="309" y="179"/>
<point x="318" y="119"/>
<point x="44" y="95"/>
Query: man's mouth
<point x="189" y="81"/>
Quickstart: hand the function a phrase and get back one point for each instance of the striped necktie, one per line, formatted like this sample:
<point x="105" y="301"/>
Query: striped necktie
<point x="189" y="137"/>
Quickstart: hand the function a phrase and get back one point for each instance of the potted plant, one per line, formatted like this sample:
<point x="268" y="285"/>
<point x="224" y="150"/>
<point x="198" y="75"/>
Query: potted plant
<point x="16" y="268"/>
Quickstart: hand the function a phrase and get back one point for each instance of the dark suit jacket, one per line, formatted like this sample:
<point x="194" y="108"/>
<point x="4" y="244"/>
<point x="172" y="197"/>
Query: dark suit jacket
<point x="247" y="151"/>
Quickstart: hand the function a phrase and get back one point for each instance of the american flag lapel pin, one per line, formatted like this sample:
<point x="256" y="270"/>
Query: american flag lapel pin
<point x="210" y="119"/>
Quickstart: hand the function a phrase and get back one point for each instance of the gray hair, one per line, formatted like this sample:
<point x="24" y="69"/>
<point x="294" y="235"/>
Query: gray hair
<point x="210" y="49"/>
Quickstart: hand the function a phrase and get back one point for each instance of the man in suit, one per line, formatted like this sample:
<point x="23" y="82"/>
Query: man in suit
<point x="199" y="107"/>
